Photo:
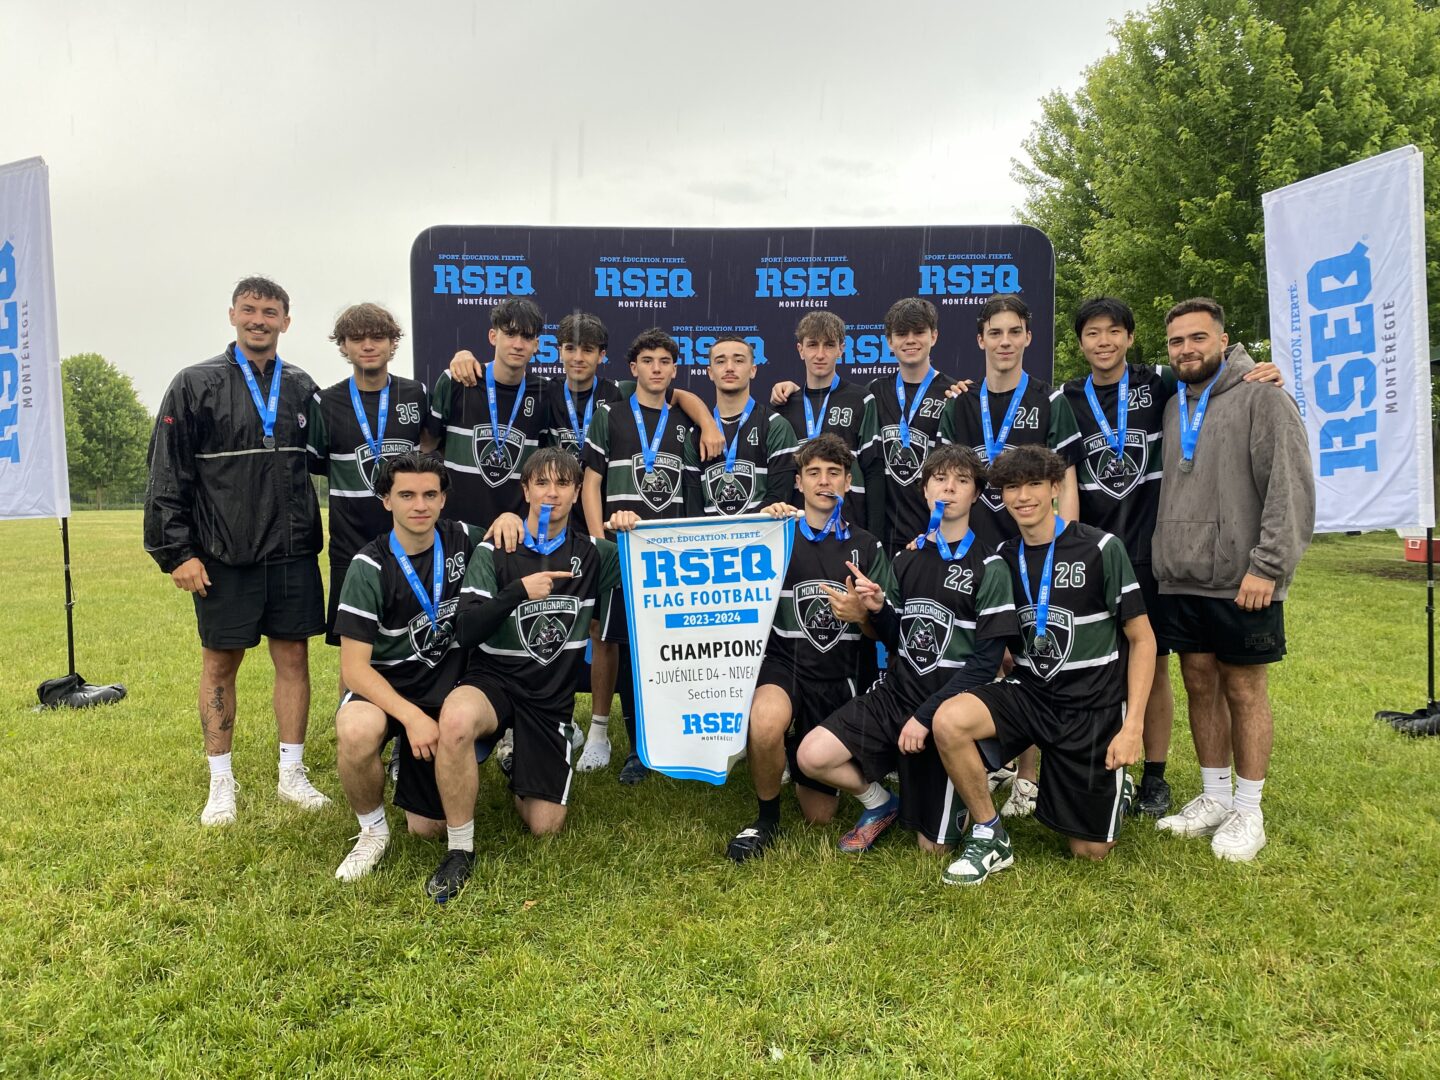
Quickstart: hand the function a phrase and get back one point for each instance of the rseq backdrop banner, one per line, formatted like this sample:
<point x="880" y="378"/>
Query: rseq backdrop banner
<point x="1345" y="253"/>
<point x="33" y="478"/>
<point x="700" y="595"/>
<point x="695" y="283"/>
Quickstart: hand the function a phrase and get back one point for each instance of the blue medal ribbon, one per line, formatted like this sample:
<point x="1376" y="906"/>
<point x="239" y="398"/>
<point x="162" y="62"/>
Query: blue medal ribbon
<point x="1190" y="428"/>
<point x="813" y="424"/>
<point x="732" y="445"/>
<point x="905" y="417"/>
<point x="430" y="603"/>
<point x="649" y="447"/>
<point x="1042" y="608"/>
<point x="266" y="409"/>
<point x="372" y="440"/>
<point x="499" y="437"/>
<point x="1114" y="437"/>
<point x="833" y="522"/>
<point x="576" y="426"/>
<point x="995" y="443"/>
<point x="538" y="543"/>
<point x="932" y="532"/>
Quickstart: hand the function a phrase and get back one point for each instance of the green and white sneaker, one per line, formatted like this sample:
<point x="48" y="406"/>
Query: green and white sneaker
<point x="986" y="850"/>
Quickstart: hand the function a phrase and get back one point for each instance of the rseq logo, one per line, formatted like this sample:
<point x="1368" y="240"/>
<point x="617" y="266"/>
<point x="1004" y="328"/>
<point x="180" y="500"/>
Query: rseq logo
<point x="650" y="282"/>
<point x="695" y="348"/>
<point x="968" y="279"/>
<point x="804" y="281"/>
<point x="712" y="723"/>
<point x="493" y="279"/>
<point x="9" y="363"/>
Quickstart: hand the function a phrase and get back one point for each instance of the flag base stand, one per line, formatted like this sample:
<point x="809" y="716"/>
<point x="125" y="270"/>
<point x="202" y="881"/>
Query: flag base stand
<point x="72" y="691"/>
<point x="1426" y="720"/>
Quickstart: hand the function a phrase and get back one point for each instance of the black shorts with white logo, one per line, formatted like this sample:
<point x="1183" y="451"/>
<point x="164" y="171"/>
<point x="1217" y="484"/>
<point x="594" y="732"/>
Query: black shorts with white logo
<point x="1208" y="624"/>
<point x="810" y="703"/>
<point x="281" y="599"/>
<point x="1079" y="796"/>
<point x="541" y="766"/>
<point x="415" y="788"/>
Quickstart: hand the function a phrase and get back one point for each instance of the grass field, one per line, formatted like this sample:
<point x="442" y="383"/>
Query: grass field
<point x="134" y="943"/>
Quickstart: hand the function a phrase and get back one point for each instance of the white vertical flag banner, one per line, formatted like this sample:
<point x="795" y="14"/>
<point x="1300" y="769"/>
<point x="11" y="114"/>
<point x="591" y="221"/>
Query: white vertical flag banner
<point x="1345" y="259"/>
<point x="33" y="479"/>
<point x="700" y="594"/>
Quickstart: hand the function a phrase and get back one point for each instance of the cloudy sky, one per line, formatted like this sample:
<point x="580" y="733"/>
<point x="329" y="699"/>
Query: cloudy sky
<point x="191" y="143"/>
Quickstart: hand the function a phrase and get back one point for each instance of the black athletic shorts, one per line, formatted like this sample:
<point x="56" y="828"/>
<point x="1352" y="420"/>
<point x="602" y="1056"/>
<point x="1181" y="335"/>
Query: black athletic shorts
<point x="415" y="786"/>
<point x="1155" y="606"/>
<point x="616" y="624"/>
<point x="869" y="727"/>
<point x="810" y="703"/>
<point x="1079" y="796"/>
<point x="1207" y="624"/>
<point x="338" y="570"/>
<point x="541" y="766"/>
<point x="281" y="599"/>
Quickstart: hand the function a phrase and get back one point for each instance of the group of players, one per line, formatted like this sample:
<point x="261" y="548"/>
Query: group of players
<point x="471" y="565"/>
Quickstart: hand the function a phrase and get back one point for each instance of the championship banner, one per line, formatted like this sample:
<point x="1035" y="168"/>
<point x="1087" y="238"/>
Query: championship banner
<point x="33" y="478"/>
<point x="700" y="594"/>
<point x="1345" y="253"/>
<point x="696" y="283"/>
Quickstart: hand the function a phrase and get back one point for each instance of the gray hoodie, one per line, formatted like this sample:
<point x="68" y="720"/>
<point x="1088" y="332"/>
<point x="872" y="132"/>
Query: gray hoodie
<point x="1249" y="505"/>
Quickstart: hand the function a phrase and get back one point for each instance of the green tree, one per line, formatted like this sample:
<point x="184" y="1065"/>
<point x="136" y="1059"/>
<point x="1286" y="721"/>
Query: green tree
<point x="1148" y="178"/>
<point x="107" y="430"/>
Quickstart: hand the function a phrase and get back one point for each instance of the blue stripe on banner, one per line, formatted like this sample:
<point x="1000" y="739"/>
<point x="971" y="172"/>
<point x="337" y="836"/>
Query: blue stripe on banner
<point x="712" y="618"/>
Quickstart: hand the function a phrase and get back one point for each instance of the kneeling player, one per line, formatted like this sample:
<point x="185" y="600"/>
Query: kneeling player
<point x="813" y="658"/>
<point x="400" y="657"/>
<point x="531" y="623"/>
<point x="1072" y="694"/>
<point x="947" y="637"/>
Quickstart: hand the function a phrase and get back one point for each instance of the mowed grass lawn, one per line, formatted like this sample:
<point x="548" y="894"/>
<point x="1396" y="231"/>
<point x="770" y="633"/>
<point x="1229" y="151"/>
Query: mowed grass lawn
<point x="132" y="942"/>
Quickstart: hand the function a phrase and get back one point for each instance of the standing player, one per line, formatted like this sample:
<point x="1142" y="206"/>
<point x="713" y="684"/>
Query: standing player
<point x="909" y="407"/>
<point x="355" y="426"/>
<point x="946" y="637"/>
<point x="758" y="467"/>
<point x="401" y="657"/>
<point x="1078" y="692"/>
<point x="571" y="402"/>
<point x="634" y="463"/>
<point x="231" y="516"/>
<point x="1237" y="508"/>
<point x="812" y="662"/>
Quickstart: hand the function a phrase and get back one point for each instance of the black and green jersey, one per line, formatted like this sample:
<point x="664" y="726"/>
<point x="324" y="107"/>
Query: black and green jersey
<point x="1080" y="662"/>
<point x="806" y="636"/>
<point x="613" y="450"/>
<point x="1122" y="496"/>
<point x="947" y="605"/>
<point x="340" y="452"/>
<point x="421" y="662"/>
<point x="764" y="466"/>
<point x="560" y="431"/>
<point x="540" y="646"/>
<point x="1043" y="418"/>
<point x="905" y="510"/>
<point x="484" y="476"/>
<point x="850" y="413"/>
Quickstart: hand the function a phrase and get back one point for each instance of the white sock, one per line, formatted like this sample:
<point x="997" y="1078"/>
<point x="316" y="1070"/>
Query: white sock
<point x="374" y="821"/>
<point x="219" y="765"/>
<point x="874" y="797"/>
<point x="1216" y="783"/>
<point x="292" y="753"/>
<point x="461" y="838"/>
<point x="599" y="733"/>
<point x="1247" y="794"/>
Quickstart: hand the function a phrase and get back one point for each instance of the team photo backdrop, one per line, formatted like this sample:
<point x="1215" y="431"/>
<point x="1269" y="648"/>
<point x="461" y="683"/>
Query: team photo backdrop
<point x="695" y="283"/>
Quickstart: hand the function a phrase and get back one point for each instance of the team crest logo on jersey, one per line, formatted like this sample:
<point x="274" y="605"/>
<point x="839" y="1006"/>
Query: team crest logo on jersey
<point x="497" y="464"/>
<point x="545" y="625"/>
<point x="902" y="463"/>
<point x="658" y="486"/>
<point x="1117" y="476"/>
<point x="989" y="495"/>
<point x="369" y="466"/>
<point x="925" y="629"/>
<point x="431" y="643"/>
<point x="813" y="613"/>
<point x="1047" y="655"/>
<point x="729" y="492"/>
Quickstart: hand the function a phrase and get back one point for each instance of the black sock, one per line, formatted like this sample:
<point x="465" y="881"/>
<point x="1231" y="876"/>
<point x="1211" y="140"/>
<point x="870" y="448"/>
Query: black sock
<point x="769" y="811"/>
<point x="1153" y="770"/>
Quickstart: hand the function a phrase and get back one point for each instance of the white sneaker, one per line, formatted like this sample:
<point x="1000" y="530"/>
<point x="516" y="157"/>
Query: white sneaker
<point x="220" y="806"/>
<point x="505" y="751"/>
<point x="596" y="755"/>
<point x="295" y="787"/>
<point x="577" y="739"/>
<point x="365" y="855"/>
<point x="1021" y="803"/>
<point x="1002" y="776"/>
<point x="1240" y="836"/>
<point x="1201" y="816"/>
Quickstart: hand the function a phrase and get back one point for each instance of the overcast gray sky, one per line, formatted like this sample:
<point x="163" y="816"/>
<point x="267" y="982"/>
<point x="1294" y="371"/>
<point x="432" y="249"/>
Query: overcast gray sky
<point x="191" y="143"/>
